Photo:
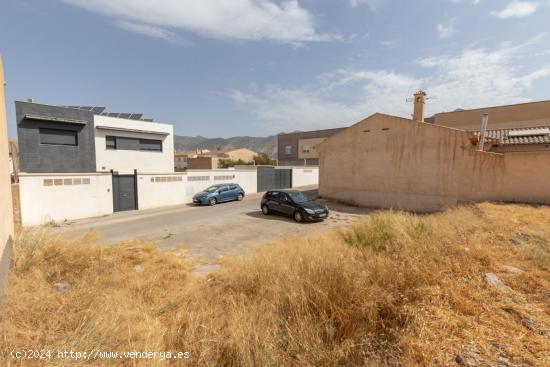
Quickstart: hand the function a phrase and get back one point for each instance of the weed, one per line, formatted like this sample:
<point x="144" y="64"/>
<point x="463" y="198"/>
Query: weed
<point x="397" y="289"/>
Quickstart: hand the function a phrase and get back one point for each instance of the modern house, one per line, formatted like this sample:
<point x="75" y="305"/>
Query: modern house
<point x="300" y="148"/>
<point x="392" y="162"/>
<point x="55" y="139"/>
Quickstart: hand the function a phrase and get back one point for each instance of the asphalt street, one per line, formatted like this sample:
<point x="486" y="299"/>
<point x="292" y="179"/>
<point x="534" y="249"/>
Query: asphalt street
<point x="206" y="232"/>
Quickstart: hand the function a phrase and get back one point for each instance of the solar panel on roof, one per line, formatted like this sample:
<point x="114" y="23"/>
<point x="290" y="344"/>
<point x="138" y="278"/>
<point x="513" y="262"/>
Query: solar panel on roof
<point x="125" y="115"/>
<point x="136" y="116"/>
<point x="98" y="110"/>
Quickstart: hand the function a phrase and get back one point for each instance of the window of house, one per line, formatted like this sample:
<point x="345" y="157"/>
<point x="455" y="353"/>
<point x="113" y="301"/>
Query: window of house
<point x="123" y="143"/>
<point x="150" y="145"/>
<point x="110" y="142"/>
<point x="58" y="137"/>
<point x="288" y="150"/>
<point x="306" y="150"/>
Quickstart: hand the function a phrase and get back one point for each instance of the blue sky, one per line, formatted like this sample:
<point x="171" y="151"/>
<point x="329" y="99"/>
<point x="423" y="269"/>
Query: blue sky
<point x="258" y="67"/>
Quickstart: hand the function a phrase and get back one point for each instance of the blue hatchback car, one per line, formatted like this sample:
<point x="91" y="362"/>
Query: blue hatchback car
<point x="219" y="193"/>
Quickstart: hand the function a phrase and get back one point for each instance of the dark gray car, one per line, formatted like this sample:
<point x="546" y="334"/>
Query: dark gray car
<point x="293" y="203"/>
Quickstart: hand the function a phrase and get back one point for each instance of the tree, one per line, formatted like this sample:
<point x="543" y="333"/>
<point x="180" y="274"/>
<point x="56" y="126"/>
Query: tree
<point x="226" y="163"/>
<point x="264" y="159"/>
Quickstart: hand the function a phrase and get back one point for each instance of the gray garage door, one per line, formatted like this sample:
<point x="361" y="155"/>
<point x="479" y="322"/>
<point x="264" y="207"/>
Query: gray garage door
<point x="274" y="178"/>
<point x="124" y="192"/>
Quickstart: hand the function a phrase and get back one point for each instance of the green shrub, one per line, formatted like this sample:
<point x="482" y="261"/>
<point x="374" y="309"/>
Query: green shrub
<point x="376" y="234"/>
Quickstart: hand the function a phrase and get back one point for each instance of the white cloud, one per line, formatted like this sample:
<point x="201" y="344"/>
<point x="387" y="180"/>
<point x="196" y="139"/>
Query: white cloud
<point x="446" y="29"/>
<point x="330" y="104"/>
<point x="151" y="31"/>
<point x="516" y="9"/>
<point x="283" y="21"/>
<point x="390" y="43"/>
<point x="374" y="5"/>
<point x="472" y="78"/>
<point x="474" y="2"/>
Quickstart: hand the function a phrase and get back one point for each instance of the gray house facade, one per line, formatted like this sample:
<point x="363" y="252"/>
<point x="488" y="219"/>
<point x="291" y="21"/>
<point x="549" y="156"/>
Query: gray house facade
<point x="55" y="139"/>
<point x="299" y="148"/>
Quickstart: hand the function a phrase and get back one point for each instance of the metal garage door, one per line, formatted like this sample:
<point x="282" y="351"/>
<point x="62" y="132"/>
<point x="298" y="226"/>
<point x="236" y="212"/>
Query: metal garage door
<point x="124" y="192"/>
<point x="274" y="178"/>
<point x="283" y="178"/>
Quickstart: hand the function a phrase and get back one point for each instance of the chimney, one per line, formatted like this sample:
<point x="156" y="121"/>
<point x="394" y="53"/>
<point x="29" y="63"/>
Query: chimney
<point x="419" y="100"/>
<point x="30" y="100"/>
<point x="482" y="131"/>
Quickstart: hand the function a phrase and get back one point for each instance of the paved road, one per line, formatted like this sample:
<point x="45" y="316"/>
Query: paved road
<point x="206" y="232"/>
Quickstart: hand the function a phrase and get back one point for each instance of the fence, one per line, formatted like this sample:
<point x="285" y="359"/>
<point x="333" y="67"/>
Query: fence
<point x="62" y="197"/>
<point x="173" y="189"/>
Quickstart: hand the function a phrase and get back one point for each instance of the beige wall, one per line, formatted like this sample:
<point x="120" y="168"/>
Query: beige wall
<point x="202" y="163"/>
<point x="6" y="211"/>
<point x="311" y="145"/>
<point x="500" y="117"/>
<point x="390" y="162"/>
<point x="245" y="154"/>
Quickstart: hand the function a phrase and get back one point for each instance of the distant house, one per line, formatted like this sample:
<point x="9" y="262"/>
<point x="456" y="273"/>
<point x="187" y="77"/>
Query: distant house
<point x="300" y="148"/>
<point x="527" y="139"/>
<point x="531" y="114"/>
<point x="55" y="139"/>
<point x="206" y="159"/>
<point x="181" y="157"/>
<point x="203" y="162"/>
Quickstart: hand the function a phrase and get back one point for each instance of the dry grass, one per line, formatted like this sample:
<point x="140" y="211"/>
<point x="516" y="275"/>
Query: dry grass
<point x="394" y="290"/>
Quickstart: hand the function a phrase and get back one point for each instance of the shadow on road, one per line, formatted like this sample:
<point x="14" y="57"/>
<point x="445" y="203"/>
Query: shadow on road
<point x="282" y="218"/>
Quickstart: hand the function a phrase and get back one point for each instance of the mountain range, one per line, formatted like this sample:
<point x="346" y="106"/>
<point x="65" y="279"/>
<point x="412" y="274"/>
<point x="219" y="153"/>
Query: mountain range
<point x="266" y="145"/>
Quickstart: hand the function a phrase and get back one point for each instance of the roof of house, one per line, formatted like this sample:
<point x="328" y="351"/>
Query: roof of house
<point x="524" y="104"/>
<point x="520" y="136"/>
<point x="185" y="153"/>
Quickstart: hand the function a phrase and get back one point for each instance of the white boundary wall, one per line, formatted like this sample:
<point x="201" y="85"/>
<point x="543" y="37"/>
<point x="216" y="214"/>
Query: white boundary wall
<point x="305" y="176"/>
<point x="61" y="197"/>
<point x="156" y="190"/>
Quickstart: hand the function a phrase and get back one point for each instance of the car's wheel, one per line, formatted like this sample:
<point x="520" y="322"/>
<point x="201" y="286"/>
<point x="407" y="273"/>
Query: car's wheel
<point x="298" y="217"/>
<point x="240" y="197"/>
<point x="212" y="201"/>
<point x="265" y="210"/>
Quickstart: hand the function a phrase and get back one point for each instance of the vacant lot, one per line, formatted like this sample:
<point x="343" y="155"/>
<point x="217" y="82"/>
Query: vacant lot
<point x="468" y="287"/>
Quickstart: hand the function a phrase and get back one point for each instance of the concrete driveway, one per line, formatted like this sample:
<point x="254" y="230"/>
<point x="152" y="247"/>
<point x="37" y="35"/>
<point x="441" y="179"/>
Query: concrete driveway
<point x="207" y="232"/>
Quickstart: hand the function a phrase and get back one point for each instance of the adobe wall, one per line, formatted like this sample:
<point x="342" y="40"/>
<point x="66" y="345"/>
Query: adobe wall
<point x="6" y="214"/>
<point x="389" y="162"/>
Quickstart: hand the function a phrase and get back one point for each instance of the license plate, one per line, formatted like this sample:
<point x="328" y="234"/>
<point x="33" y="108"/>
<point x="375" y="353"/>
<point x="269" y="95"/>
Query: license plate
<point x="322" y="215"/>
